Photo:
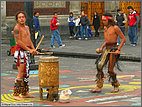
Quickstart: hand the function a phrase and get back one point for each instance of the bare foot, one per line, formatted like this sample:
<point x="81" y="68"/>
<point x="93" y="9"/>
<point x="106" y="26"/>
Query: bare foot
<point x="97" y="89"/>
<point x="28" y="96"/>
<point x="115" y="90"/>
<point x="18" y="98"/>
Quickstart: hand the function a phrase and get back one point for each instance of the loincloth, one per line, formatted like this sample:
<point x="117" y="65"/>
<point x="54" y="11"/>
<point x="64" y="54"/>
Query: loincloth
<point x="104" y="57"/>
<point x="22" y="57"/>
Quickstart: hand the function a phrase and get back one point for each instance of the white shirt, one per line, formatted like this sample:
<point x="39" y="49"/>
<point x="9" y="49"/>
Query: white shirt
<point x="77" y="21"/>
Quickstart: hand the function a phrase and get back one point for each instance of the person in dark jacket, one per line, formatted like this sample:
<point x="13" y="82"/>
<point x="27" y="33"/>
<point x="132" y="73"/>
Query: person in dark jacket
<point x="96" y="23"/>
<point x="120" y="18"/>
<point x="71" y="20"/>
<point x="83" y="21"/>
<point x="37" y="27"/>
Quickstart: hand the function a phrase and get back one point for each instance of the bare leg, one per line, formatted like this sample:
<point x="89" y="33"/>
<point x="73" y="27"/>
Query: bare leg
<point x="20" y="75"/>
<point x="28" y="96"/>
<point x="112" y="74"/>
<point x="99" y="82"/>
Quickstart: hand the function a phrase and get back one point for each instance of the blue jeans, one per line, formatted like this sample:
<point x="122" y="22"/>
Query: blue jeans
<point x="123" y="31"/>
<point x="79" y="32"/>
<point x="83" y="30"/>
<point x="55" y="35"/>
<point x="132" y="32"/>
<point x="89" y="32"/>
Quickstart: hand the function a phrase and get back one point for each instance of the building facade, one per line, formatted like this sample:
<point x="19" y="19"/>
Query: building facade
<point x="46" y="9"/>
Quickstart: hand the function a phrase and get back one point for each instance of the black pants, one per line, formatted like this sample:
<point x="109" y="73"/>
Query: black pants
<point x="71" y="30"/>
<point x="96" y="30"/>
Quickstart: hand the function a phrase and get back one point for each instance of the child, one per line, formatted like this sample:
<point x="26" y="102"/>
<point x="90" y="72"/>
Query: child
<point x="89" y="29"/>
<point x="77" y="26"/>
<point x="71" y="24"/>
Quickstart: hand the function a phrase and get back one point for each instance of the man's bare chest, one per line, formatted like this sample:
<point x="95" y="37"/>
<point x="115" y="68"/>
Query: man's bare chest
<point x="109" y="33"/>
<point x="24" y="33"/>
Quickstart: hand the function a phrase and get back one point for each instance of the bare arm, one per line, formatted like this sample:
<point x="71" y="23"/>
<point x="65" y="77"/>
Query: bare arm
<point x="18" y="40"/>
<point x="103" y="45"/>
<point x="115" y="19"/>
<point x="123" y="39"/>
<point x="31" y="44"/>
<point x="125" y="19"/>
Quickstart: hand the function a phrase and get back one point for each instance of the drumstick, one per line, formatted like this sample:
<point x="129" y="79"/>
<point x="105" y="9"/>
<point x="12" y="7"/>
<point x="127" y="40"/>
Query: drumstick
<point x="40" y="42"/>
<point x="12" y="32"/>
<point x="120" y="53"/>
<point x="46" y="49"/>
<point x="45" y="53"/>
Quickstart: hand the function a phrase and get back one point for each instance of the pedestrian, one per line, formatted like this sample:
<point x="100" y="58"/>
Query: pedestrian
<point x="54" y="31"/>
<point x="23" y="49"/>
<point x="77" y="26"/>
<point x="83" y="21"/>
<point x="111" y="32"/>
<point x="120" y="18"/>
<point x="71" y="24"/>
<point x="37" y="27"/>
<point x="133" y="20"/>
<point x="96" y="23"/>
<point x="89" y="32"/>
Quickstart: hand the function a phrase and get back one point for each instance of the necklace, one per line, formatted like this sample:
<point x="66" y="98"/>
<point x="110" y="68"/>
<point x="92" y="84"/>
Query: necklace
<point x="107" y="27"/>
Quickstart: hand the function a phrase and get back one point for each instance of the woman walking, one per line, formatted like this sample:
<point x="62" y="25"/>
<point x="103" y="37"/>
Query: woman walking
<point x="96" y="23"/>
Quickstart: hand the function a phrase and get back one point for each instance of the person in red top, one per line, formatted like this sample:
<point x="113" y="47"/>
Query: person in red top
<point x="54" y="31"/>
<point x="133" y="20"/>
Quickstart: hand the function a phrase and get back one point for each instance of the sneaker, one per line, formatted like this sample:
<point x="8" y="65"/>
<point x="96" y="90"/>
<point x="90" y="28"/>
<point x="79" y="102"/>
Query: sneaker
<point x="63" y="45"/>
<point x="134" y="45"/>
<point x="86" y="38"/>
<point x="70" y="37"/>
<point x="52" y="47"/>
<point x="118" y="44"/>
<point x="79" y="38"/>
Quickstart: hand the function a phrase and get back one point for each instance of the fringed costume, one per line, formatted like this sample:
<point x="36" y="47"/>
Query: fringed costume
<point x="103" y="60"/>
<point x="21" y="84"/>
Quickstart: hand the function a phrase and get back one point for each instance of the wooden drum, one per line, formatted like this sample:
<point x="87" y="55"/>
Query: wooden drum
<point x="49" y="76"/>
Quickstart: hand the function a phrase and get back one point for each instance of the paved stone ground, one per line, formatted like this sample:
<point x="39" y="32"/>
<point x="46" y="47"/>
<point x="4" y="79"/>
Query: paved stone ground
<point x="78" y="75"/>
<point x="88" y="47"/>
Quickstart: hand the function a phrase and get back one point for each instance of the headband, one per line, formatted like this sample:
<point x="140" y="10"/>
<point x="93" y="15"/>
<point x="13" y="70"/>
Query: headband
<point x="108" y="17"/>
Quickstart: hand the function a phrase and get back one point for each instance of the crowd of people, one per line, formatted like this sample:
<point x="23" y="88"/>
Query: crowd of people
<point x="80" y="26"/>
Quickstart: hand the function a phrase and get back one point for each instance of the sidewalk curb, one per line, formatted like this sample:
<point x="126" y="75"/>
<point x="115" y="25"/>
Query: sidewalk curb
<point x="82" y="55"/>
<point x="93" y="56"/>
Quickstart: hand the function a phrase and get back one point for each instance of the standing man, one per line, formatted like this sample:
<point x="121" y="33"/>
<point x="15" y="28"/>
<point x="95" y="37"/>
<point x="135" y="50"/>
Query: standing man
<point x="55" y="32"/>
<point x="83" y="21"/>
<point x="133" y="20"/>
<point x="120" y="18"/>
<point x="37" y="27"/>
<point x="111" y="33"/>
<point x="23" y="49"/>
